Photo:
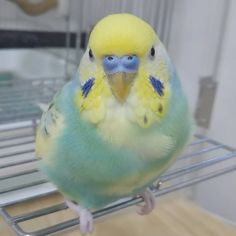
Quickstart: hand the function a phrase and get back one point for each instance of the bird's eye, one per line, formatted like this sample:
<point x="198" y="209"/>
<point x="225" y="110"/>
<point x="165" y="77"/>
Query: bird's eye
<point x="110" y="58"/>
<point x="90" y="54"/>
<point x="152" y="52"/>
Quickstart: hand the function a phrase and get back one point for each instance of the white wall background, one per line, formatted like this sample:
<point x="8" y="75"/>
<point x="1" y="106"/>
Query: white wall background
<point x="194" y="47"/>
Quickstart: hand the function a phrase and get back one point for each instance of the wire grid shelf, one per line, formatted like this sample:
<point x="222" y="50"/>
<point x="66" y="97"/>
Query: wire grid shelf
<point x="19" y="98"/>
<point x="21" y="181"/>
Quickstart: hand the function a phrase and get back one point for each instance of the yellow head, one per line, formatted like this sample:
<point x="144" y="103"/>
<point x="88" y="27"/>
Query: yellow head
<point x="121" y="34"/>
<point x="122" y="56"/>
<point x="118" y="46"/>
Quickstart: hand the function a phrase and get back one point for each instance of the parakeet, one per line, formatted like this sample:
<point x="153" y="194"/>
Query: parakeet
<point x="115" y="128"/>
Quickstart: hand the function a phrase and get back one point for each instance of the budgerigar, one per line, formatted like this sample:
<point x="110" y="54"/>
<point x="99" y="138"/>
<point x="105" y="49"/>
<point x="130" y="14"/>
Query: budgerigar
<point x="113" y="130"/>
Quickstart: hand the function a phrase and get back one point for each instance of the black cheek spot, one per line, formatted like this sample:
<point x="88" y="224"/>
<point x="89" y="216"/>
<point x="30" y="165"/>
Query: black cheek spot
<point x="160" y="108"/>
<point x="145" y="119"/>
<point x="90" y="54"/>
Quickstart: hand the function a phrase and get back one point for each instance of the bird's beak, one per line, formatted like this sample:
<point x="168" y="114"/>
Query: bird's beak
<point x="121" y="83"/>
<point x="121" y="72"/>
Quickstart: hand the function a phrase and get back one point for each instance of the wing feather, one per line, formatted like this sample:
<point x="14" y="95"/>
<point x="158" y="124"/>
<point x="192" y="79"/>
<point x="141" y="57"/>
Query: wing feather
<point x="50" y="125"/>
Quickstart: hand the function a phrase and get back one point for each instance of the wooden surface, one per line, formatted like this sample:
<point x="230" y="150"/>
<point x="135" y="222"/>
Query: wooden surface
<point x="171" y="217"/>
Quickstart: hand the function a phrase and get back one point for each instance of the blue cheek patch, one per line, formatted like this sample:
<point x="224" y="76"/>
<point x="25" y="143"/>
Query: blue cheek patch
<point x="157" y="85"/>
<point x="87" y="87"/>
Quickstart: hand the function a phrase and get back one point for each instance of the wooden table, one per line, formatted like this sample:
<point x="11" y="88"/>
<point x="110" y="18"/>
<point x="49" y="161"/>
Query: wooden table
<point x="173" y="216"/>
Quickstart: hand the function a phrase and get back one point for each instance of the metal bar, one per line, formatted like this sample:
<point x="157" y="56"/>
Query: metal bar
<point x="31" y="198"/>
<point x="22" y="186"/>
<point x="24" y="99"/>
<point x="17" y="109"/>
<point x="68" y="39"/>
<point x="80" y="29"/>
<point x="18" y="116"/>
<point x="175" y="174"/>
<point x="108" y="210"/>
<point x="17" y="144"/>
<point x="15" y="137"/>
<point x="63" y="206"/>
<point x="18" y="163"/>
<point x="19" y="90"/>
<point x="17" y="153"/>
<point x="39" y="213"/>
<point x="200" y="141"/>
<point x="17" y="126"/>
<point x="31" y="171"/>
<point x="170" y="22"/>
<point x="5" y="215"/>
<point x="12" y="224"/>
<point x="32" y="81"/>
<point x="231" y="149"/>
<point x="197" y="180"/>
<point x="30" y="115"/>
<point x="197" y="166"/>
<point x="203" y="151"/>
<point x="221" y="39"/>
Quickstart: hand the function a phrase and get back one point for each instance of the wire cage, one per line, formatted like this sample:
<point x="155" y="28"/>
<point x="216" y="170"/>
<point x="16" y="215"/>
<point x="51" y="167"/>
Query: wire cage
<point x="45" y="39"/>
<point x="39" y="45"/>
<point x="44" y="46"/>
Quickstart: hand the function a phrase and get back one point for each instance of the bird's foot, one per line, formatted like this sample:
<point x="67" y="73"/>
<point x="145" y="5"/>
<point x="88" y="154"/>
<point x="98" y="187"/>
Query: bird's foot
<point x="149" y="202"/>
<point x="85" y="217"/>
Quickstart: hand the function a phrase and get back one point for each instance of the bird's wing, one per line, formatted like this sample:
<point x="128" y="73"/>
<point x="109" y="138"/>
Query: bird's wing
<point x="52" y="121"/>
<point x="49" y="127"/>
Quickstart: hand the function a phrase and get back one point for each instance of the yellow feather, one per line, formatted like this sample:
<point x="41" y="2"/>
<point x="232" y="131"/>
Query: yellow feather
<point x="112" y="35"/>
<point x="149" y="107"/>
<point x="93" y="106"/>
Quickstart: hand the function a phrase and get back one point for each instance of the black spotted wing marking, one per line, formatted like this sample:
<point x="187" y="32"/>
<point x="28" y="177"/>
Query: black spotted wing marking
<point x="49" y="119"/>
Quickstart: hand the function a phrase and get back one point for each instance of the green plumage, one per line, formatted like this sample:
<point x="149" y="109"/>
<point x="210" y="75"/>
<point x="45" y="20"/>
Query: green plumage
<point x="86" y="168"/>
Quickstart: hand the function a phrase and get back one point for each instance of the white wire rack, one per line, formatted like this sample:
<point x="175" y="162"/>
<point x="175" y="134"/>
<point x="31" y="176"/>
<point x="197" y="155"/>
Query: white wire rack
<point x="21" y="181"/>
<point x="19" y="98"/>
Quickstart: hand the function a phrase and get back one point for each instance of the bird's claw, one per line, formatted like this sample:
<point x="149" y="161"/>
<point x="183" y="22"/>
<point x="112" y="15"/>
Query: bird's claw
<point x="149" y="202"/>
<point x="85" y="217"/>
<point x="86" y="221"/>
